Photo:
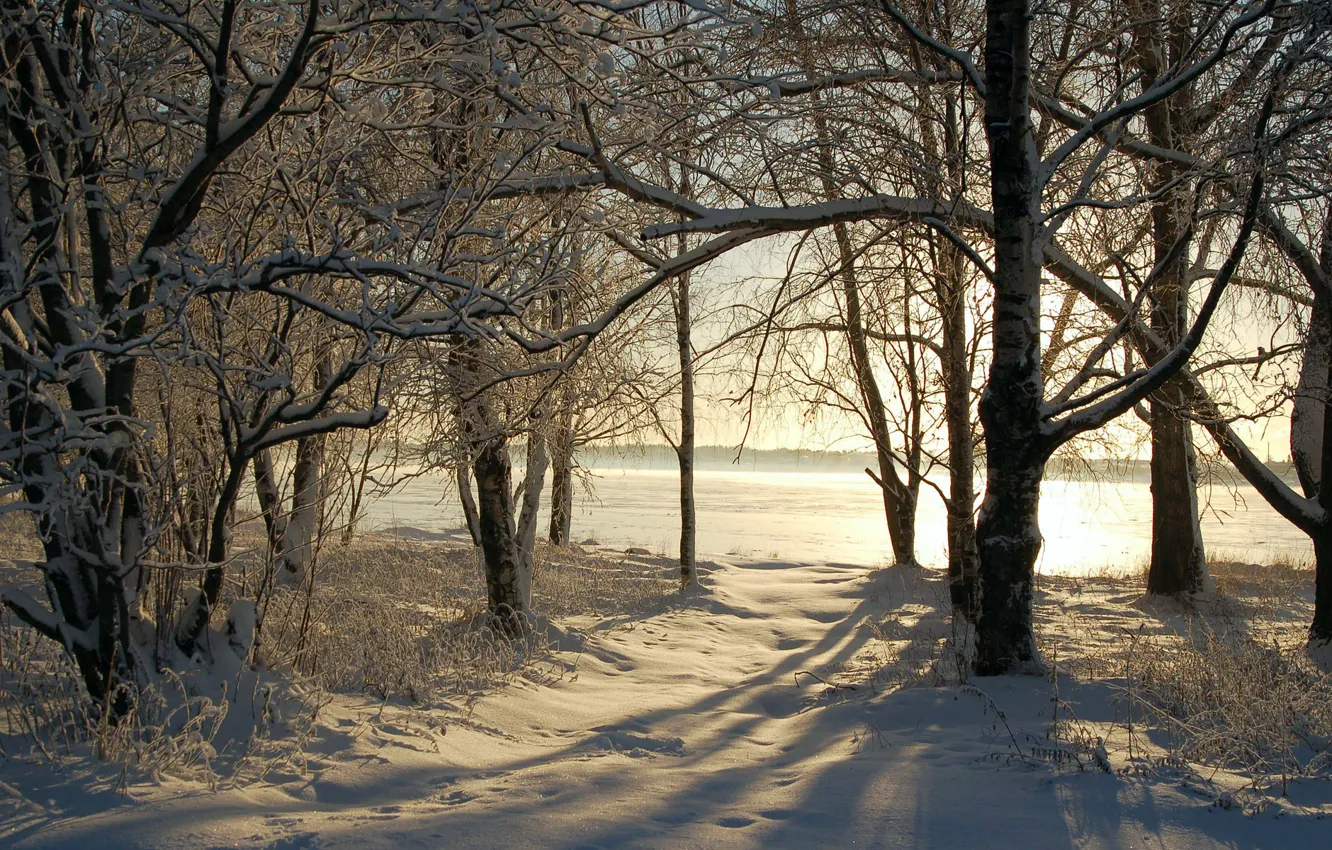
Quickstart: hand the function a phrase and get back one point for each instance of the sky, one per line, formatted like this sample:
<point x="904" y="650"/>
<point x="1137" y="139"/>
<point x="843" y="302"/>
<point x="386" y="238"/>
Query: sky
<point x="787" y="426"/>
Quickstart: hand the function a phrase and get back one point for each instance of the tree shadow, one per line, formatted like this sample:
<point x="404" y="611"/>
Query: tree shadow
<point x="770" y="764"/>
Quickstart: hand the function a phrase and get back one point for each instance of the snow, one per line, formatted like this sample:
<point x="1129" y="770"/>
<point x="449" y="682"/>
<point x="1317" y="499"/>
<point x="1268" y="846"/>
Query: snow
<point x="242" y="618"/>
<point x="742" y="715"/>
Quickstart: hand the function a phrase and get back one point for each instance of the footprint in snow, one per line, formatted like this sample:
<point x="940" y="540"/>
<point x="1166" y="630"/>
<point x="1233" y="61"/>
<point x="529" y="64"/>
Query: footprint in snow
<point x="617" y="740"/>
<point x="735" y="822"/>
<point x="778" y="705"/>
<point x="299" y="841"/>
<point x="825" y="616"/>
<point x="675" y="818"/>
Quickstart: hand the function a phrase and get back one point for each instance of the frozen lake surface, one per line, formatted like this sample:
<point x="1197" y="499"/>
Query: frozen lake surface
<point x="838" y="517"/>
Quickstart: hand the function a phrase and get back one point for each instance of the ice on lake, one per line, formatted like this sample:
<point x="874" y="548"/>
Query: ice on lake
<point x="1089" y="526"/>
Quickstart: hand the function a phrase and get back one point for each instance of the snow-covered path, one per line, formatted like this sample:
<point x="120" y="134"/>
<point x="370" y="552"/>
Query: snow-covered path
<point x="689" y="729"/>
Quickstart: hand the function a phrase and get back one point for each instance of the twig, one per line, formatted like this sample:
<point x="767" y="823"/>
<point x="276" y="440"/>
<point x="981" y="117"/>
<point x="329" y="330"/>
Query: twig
<point x="797" y="674"/>
<point x="979" y="694"/>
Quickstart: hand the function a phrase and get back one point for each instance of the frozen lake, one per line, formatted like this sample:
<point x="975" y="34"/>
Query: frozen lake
<point x="838" y="516"/>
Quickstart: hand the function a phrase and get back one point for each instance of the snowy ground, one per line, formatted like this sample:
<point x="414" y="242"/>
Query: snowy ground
<point x="698" y="726"/>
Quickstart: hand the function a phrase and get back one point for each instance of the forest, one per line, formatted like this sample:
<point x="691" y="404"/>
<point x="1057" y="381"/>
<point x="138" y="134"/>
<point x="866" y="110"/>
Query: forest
<point x="262" y="260"/>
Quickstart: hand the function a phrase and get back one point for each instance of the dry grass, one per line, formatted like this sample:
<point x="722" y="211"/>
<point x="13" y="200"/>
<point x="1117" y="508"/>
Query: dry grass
<point x="193" y="727"/>
<point x="17" y="540"/>
<point x="570" y="582"/>
<point x="398" y="619"/>
<point x="406" y="619"/>
<point x="1273" y="593"/>
<point x="918" y="642"/>
<point x="1219" y="681"/>
<point x="1225" y="700"/>
<point x="1214" y="684"/>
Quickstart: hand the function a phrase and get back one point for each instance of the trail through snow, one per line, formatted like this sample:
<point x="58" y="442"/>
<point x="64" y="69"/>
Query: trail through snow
<point x="695" y="727"/>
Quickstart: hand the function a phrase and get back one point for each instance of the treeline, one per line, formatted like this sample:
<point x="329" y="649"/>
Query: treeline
<point x="729" y="458"/>
<point x="261" y="246"/>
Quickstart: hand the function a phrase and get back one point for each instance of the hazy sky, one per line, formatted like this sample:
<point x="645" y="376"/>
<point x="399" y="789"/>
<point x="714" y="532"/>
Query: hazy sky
<point x="786" y="426"/>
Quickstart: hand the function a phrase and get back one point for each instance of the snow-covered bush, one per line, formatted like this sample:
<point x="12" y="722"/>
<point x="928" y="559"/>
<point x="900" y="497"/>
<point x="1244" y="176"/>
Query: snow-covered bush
<point x="211" y="726"/>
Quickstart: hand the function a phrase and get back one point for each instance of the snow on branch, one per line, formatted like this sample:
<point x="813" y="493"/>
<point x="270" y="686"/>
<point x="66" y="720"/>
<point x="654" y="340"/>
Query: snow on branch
<point x="779" y="86"/>
<point x="810" y="216"/>
<point x="1159" y="90"/>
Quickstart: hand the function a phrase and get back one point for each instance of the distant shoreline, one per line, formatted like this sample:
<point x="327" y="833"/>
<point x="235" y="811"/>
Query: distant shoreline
<point x="727" y="459"/>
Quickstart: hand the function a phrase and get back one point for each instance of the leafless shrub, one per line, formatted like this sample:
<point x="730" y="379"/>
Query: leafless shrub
<point x="394" y="619"/>
<point x="1270" y="592"/>
<point x="199" y="728"/>
<point x="407" y="619"/>
<point x="920" y="641"/>
<point x="869" y="738"/>
<point x="1216" y="681"/>
<point x="1068" y="741"/>
<point x="1232" y="702"/>
<point x="569" y="582"/>
<point x="936" y="653"/>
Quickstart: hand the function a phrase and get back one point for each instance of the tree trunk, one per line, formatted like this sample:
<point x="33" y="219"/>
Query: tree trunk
<point x="1311" y="396"/>
<point x="266" y="490"/>
<point x="194" y="619"/>
<point x="1320" y="630"/>
<point x="899" y="506"/>
<point x="306" y="486"/>
<point x="946" y="179"/>
<point x="1008" y="541"/>
<point x="1007" y="536"/>
<point x="962" y="560"/>
<point x="534" y="478"/>
<point x="1311" y="446"/>
<point x="561" y="478"/>
<point x="684" y="451"/>
<point x="508" y="584"/>
<point x="356" y="498"/>
<point x="82" y="594"/>
<point x="464" y="481"/>
<point x="1313" y="416"/>
<point x="915" y="426"/>
<point x="1178" y="564"/>
<point x="508" y="587"/>
<point x="562" y="430"/>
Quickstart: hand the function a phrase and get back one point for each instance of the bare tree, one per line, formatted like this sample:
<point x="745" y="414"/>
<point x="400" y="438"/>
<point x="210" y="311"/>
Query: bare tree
<point x="257" y="173"/>
<point x="1032" y="197"/>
